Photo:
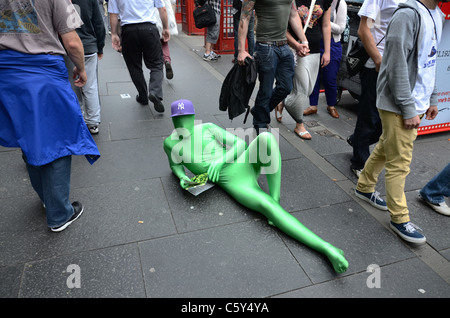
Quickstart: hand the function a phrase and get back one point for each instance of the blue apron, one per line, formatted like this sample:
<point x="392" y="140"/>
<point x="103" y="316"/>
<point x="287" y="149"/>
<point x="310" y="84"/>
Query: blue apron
<point x="39" y="112"/>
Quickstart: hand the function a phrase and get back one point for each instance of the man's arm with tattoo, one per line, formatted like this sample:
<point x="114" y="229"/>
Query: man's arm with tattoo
<point x="246" y="12"/>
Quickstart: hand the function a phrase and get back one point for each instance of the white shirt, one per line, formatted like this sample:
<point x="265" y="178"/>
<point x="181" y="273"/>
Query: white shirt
<point x="426" y="75"/>
<point x="379" y="13"/>
<point x="135" y="11"/>
<point x="338" y="20"/>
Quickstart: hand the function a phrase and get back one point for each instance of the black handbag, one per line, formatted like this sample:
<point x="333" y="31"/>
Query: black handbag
<point x="357" y="57"/>
<point x="204" y="16"/>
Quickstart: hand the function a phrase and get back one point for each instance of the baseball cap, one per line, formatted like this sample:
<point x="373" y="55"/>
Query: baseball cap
<point x="182" y="107"/>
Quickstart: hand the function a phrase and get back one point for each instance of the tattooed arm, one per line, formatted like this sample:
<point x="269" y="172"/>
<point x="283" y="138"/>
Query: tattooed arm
<point x="302" y="48"/>
<point x="246" y="12"/>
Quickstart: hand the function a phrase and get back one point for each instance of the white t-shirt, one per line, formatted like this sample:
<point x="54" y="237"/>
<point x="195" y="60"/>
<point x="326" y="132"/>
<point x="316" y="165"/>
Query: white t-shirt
<point x="426" y="76"/>
<point x="379" y="13"/>
<point x="135" y="11"/>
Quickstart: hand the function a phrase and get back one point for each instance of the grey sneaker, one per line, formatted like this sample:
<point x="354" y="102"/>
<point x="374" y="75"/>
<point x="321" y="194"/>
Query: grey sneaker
<point x="215" y="55"/>
<point x="209" y="58"/>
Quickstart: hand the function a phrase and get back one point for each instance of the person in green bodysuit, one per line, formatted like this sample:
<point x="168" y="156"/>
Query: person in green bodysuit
<point x="235" y="167"/>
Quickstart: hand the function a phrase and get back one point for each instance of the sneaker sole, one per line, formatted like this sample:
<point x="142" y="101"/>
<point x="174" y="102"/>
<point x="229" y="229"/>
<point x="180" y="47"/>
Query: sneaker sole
<point x="169" y="71"/>
<point x="380" y="207"/>
<point x="408" y="238"/>
<point x="63" y="227"/>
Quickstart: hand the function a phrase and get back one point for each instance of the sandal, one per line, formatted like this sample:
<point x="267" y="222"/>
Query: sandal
<point x="302" y="134"/>
<point x="278" y="111"/>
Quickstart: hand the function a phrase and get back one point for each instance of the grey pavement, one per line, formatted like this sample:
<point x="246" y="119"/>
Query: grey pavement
<point x="141" y="235"/>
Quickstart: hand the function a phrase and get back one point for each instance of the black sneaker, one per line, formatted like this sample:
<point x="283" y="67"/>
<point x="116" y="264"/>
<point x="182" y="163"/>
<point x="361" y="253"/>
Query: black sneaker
<point x="159" y="107"/>
<point x="349" y="140"/>
<point x="77" y="211"/>
<point x="142" y="100"/>
<point x="169" y="70"/>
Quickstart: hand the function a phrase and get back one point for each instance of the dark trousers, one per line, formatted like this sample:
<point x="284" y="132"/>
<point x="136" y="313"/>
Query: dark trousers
<point x="368" y="124"/>
<point x="328" y="75"/>
<point x="142" y="41"/>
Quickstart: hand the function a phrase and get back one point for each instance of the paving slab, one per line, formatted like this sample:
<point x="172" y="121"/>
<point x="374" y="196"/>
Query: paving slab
<point x="115" y="213"/>
<point x="245" y="259"/>
<point x="103" y="273"/>
<point x="14" y="179"/>
<point x="406" y="279"/>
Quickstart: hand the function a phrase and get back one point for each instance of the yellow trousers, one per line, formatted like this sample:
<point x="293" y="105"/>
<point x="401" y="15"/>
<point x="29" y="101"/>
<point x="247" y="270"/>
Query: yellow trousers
<point x="393" y="153"/>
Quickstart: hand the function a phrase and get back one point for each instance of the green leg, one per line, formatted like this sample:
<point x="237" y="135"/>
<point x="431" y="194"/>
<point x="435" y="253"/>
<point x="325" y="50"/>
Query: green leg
<point x="241" y="185"/>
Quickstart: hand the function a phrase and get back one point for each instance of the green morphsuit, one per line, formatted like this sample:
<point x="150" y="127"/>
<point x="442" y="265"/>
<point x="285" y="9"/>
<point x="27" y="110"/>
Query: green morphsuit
<point x="235" y="167"/>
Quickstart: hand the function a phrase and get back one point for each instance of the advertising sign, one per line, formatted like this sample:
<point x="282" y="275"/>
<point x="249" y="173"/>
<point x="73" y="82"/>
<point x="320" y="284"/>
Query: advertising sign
<point x="442" y="120"/>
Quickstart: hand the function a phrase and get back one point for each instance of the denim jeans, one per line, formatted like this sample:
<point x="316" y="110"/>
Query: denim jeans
<point x="438" y="187"/>
<point x="273" y="63"/>
<point x="368" y="124"/>
<point x="52" y="184"/>
<point x="88" y="95"/>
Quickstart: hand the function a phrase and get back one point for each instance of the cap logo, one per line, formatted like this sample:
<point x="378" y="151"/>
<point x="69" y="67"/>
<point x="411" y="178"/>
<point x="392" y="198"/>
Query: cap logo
<point x="181" y="106"/>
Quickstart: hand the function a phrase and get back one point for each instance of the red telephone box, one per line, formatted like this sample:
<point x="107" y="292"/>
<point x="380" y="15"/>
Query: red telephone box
<point x="187" y="18"/>
<point x="225" y="43"/>
<point x="177" y="12"/>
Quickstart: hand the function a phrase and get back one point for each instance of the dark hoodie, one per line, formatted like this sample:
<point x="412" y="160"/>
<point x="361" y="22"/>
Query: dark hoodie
<point x="92" y="32"/>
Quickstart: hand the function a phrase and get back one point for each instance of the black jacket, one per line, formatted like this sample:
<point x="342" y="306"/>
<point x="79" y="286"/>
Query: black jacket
<point x="92" y="32"/>
<point x="237" y="89"/>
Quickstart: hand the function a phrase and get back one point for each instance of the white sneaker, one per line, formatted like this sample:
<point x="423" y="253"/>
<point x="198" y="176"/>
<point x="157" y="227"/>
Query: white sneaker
<point x="357" y="172"/>
<point x="441" y="207"/>
<point x="93" y="130"/>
